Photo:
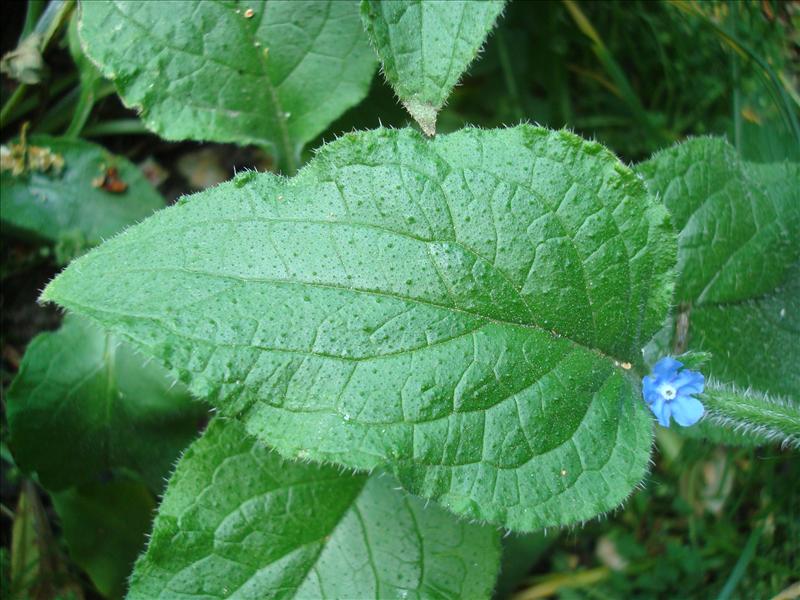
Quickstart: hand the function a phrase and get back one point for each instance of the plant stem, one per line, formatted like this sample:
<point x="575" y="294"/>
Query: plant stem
<point x="287" y="161"/>
<point x="89" y="95"/>
<point x="81" y="114"/>
<point x="55" y="15"/>
<point x="12" y="102"/>
<point x="32" y="14"/>
<point x="116" y="127"/>
<point x="755" y="413"/>
<point x="23" y="107"/>
<point x="59" y="113"/>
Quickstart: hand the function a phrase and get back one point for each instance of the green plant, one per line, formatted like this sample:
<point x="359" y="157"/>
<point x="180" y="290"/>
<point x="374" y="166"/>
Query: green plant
<point x="461" y="317"/>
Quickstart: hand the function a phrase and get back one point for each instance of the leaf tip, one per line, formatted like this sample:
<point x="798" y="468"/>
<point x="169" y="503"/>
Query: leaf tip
<point x="51" y="292"/>
<point x="424" y="113"/>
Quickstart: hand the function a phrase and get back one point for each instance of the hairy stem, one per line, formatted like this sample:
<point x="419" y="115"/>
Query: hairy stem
<point x="746" y="411"/>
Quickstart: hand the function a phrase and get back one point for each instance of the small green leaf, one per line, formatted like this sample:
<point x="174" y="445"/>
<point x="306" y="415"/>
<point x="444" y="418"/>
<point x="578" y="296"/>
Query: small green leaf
<point x="271" y="73"/>
<point x="105" y="526"/>
<point x="425" y="47"/>
<point x="237" y="521"/>
<point x="31" y="543"/>
<point x="461" y="309"/>
<point x="98" y="407"/>
<point x="38" y="568"/>
<point x="67" y="204"/>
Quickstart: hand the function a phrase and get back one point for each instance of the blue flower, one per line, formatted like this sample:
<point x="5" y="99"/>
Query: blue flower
<point x="669" y="392"/>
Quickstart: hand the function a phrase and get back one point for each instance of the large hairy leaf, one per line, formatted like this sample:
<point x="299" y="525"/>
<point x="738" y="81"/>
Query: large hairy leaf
<point x="461" y="309"/>
<point x="237" y="521"/>
<point x="83" y="404"/>
<point x="69" y="208"/>
<point x="268" y="72"/>
<point x="728" y="220"/>
<point x="426" y="46"/>
<point x="738" y="251"/>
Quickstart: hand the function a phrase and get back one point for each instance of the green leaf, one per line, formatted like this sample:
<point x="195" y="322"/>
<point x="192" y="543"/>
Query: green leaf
<point x="105" y="526"/>
<point x="68" y="206"/>
<point x="37" y="569"/>
<point x="459" y="308"/>
<point x="83" y="403"/>
<point x="239" y="521"/>
<point x="89" y="75"/>
<point x="728" y="220"/>
<point x="738" y="252"/>
<point x="426" y="46"/>
<point x="271" y="73"/>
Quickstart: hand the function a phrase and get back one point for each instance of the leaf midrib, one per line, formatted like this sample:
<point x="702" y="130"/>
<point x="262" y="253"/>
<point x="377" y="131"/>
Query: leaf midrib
<point x="245" y="280"/>
<point x="295" y="484"/>
<point x="273" y="92"/>
<point x="407" y="235"/>
<point x="324" y="540"/>
<point x="517" y="184"/>
<point x="352" y="508"/>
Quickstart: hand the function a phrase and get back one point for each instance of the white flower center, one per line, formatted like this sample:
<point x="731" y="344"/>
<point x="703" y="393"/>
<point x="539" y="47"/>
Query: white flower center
<point x="668" y="392"/>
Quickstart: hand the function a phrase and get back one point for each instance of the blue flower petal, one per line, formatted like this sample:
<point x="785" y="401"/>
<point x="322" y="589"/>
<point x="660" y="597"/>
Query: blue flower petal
<point x="687" y="410"/>
<point x="689" y="382"/>
<point x="666" y="368"/>
<point x="650" y="389"/>
<point x="661" y="410"/>
<point x="665" y="414"/>
<point x="657" y="406"/>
